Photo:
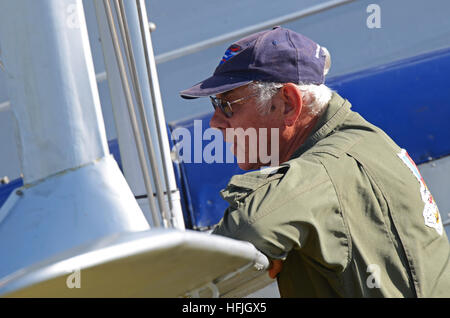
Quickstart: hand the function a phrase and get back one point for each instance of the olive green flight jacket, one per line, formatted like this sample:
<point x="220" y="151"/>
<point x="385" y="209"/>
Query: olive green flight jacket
<point x="349" y="215"/>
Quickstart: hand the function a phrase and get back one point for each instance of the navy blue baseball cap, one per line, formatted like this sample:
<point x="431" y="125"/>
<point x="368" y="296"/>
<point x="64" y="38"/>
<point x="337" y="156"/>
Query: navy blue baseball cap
<point x="278" y="55"/>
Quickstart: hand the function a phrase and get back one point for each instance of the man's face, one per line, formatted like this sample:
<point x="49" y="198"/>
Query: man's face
<point x="250" y="132"/>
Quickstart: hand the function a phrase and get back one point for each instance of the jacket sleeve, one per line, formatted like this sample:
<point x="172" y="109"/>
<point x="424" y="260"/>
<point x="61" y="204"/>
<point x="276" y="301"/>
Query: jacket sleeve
<point x="287" y="213"/>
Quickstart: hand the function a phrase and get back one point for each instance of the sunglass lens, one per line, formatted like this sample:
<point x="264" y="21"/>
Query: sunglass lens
<point x="224" y="106"/>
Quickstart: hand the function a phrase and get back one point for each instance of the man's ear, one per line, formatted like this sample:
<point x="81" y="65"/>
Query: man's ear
<point x="292" y="98"/>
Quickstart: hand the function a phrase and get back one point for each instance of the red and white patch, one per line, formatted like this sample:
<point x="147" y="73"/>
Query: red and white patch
<point x="430" y="213"/>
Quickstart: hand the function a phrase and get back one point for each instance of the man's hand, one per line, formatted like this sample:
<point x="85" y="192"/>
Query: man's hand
<point x="275" y="267"/>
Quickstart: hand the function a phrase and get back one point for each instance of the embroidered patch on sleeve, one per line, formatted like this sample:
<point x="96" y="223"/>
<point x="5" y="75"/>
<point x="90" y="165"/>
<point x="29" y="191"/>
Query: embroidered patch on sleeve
<point x="430" y="213"/>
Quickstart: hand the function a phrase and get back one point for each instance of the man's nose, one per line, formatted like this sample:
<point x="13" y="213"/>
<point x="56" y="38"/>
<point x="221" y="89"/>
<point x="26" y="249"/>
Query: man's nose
<point x="218" y="120"/>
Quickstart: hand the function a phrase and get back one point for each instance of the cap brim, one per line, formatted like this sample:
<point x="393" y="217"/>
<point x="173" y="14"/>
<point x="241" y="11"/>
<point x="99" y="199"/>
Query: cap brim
<point x="214" y="85"/>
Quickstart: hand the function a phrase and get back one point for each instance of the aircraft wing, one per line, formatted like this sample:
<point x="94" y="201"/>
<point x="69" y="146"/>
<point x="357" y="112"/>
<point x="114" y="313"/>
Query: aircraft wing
<point x="156" y="263"/>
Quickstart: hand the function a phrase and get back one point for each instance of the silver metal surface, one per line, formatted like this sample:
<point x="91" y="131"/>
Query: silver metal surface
<point x="196" y="47"/>
<point x="193" y="48"/>
<point x="5" y="106"/>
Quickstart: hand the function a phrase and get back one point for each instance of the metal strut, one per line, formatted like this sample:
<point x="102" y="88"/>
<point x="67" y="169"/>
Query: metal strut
<point x="125" y="32"/>
<point x="151" y="64"/>
<point x="131" y="111"/>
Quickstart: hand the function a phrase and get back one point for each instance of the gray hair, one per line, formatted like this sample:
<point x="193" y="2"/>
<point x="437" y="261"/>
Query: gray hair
<point x="315" y="97"/>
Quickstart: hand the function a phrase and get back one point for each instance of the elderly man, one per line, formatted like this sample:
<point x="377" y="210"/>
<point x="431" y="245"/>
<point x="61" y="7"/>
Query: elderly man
<point x="345" y="213"/>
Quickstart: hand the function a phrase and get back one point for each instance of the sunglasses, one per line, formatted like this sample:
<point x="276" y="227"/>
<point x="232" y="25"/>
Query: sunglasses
<point x="225" y="106"/>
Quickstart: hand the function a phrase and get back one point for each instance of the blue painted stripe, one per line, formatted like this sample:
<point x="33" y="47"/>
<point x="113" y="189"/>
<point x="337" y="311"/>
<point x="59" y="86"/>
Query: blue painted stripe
<point x="409" y="100"/>
<point x="6" y="189"/>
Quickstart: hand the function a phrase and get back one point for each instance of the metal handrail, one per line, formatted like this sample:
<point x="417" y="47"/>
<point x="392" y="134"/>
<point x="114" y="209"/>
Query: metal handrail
<point x="193" y="48"/>
<point x="130" y="105"/>
<point x="156" y="103"/>
<point x="123" y="25"/>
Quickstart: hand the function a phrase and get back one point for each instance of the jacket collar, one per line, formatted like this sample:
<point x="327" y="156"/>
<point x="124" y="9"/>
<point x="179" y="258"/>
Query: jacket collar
<point x="334" y="115"/>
